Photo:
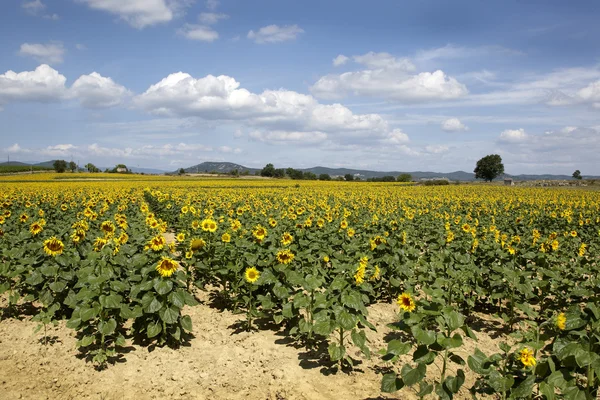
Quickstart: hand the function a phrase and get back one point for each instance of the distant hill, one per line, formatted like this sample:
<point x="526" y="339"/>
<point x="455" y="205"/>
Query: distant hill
<point x="14" y="164"/>
<point x="220" y="167"/>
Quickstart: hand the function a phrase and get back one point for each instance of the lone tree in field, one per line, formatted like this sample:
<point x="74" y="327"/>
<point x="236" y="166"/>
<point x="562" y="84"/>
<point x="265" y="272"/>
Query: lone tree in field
<point x="268" y="170"/>
<point x="60" y="166"/>
<point x="489" y="167"/>
<point x="72" y="166"/>
<point x="577" y="174"/>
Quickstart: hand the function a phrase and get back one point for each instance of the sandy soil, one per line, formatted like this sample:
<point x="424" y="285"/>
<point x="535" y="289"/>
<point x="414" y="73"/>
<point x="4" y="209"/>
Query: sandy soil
<point x="220" y="362"/>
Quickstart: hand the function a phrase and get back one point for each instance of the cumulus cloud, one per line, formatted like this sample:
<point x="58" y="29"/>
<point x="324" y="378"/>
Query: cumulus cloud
<point x="513" y="136"/>
<point x="340" y="60"/>
<point x="276" y="115"/>
<point x="199" y="32"/>
<point x="390" y="78"/>
<point x="51" y="53"/>
<point x="437" y="149"/>
<point x="453" y="125"/>
<point x="275" y="34"/>
<point x="211" y="18"/>
<point x="44" y="84"/>
<point x="96" y="91"/>
<point x="140" y="13"/>
<point x="33" y="7"/>
<point x="212" y="4"/>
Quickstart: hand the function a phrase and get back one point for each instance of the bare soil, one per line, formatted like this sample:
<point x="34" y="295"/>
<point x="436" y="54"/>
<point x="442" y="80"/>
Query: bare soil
<point x="221" y="361"/>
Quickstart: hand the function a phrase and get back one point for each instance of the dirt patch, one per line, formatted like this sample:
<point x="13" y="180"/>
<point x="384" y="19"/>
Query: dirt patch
<point x="220" y="362"/>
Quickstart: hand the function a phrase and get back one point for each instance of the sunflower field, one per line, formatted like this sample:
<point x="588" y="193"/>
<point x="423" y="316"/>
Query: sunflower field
<point x="121" y="260"/>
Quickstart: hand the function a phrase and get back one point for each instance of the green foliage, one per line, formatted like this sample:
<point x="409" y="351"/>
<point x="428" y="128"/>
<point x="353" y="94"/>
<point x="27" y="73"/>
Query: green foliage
<point x="577" y="174"/>
<point x="60" y="166"/>
<point x="404" y="178"/>
<point x="489" y="167"/>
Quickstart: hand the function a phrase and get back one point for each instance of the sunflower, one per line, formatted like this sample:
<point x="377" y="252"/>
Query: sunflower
<point x="180" y="237"/>
<point x="226" y="238"/>
<point x="287" y="239"/>
<point x="326" y="259"/>
<point x="209" y="225"/>
<point x="252" y="274"/>
<point x="406" y="302"/>
<point x="376" y="274"/>
<point x="99" y="244"/>
<point x="123" y="238"/>
<point x="35" y="228"/>
<point x="343" y="224"/>
<point x="197" y="244"/>
<point x="53" y="246"/>
<point x="259" y="232"/>
<point x="527" y="358"/>
<point x="466" y="228"/>
<point x="561" y="321"/>
<point x="285" y="256"/>
<point x="574" y="233"/>
<point x="77" y="236"/>
<point x="157" y="243"/>
<point x="108" y="228"/>
<point x="272" y="222"/>
<point x="235" y="225"/>
<point x="195" y="225"/>
<point x="581" y="251"/>
<point x="166" y="267"/>
<point x="450" y="237"/>
<point x="350" y="232"/>
<point x="23" y="218"/>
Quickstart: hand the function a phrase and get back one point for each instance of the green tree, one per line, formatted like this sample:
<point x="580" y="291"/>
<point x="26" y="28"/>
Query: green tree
<point x="349" y="177"/>
<point x="72" y="166"/>
<point x="60" y="166"/>
<point x="489" y="167"/>
<point x="324" y="177"/>
<point x="577" y="174"/>
<point x="268" y="170"/>
<point x="91" y="167"/>
<point x="404" y="178"/>
<point x="181" y="171"/>
<point x="279" y="173"/>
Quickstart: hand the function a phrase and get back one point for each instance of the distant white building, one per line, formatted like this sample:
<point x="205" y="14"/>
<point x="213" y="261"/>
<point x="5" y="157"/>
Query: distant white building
<point x="121" y="170"/>
<point x="509" y="182"/>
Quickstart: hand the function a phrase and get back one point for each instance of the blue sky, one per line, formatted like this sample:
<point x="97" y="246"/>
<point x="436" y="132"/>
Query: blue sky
<point x="386" y="85"/>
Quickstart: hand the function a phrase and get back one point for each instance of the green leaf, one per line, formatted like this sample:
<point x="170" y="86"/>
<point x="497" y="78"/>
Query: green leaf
<point x="186" y="323"/>
<point x="112" y="301"/>
<point x="454" y="320"/>
<point x="169" y="314"/>
<point x="500" y="383"/>
<point x="323" y="326"/>
<point x="390" y="383"/>
<point x="287" y="310"/>
<point x="424" y="337"/>
<point x="346" y="320"/>
<point x="398" y="348"/>
<point x="410" y="375"/>
<point x="352" y="299"/>
<point x="336" y="352"/>
<point x="359" y="338"/>
<point x="422" y="355"/>
<point x="547" y="390"/>
<point x="301" y="300"/>
<point x="525" y="388"/>
<point x="163" y="286"/>
<point x="85" y="341"/>
<point x="454" y="383"/>
<point x="154" y="306"/>
<point x="57" y="286"/>
<point x="153" y="329"/>
<point x="88" y="313"/>
<point x="107" y="327"/>
<point x="177" y="298"/>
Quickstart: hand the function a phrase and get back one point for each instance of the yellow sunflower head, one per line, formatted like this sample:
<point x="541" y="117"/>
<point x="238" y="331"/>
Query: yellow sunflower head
<point x="166" y="267"/>
<point x="406" y="302"/>
<point x="285" y="256"/>
<point x="251" y="274"/>
<point x="53" y="246"/>
<point x="527" y="358"/>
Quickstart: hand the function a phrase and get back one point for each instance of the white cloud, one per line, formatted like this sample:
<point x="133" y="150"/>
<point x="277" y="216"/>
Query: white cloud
<point x="437" y="149"/>
<point x="80" y="47"/>
<point x="288" y="137"/>
<point x="391" y="85"/>
<point x="51" y="53"/>
<point x="53" y="17"/>
<point x="15" y="148"/>
<point x="199" y="32"/>
<point x="591" y="94"/>
<point x="454" y="125"/>
<point x="275" y="33"/>
<point x="212" y="4"/>
<point x="278" y="115"/>
<point x="59" y="150"/>
<point x="396" y="137"/>
<point x="513" y="136"/>
<point x="229" y="150"/>
<point x="140" y="13"/>
<point x="340" y="60"/>
<point x="451" y="51"/>
<point x="211" y="18"/>
<point x="34" y="7"/>
<point x="374" y="60"/>
<point x="96" y="91"/>
<point x="44" y="84"/>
